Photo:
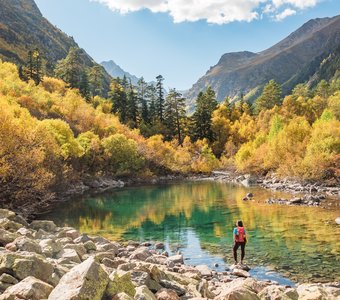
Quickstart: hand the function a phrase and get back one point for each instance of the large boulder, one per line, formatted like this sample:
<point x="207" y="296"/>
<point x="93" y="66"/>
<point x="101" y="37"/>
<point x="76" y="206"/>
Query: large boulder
<point x="87" y="280"/>
<point x="68" y="256"/>
<point x="7" y="237"/>
<point x="166" y="294"/>
<point x="178" y="288"/>
<point x="275" y="292"/>
<point x="25" y="264"/>
<point x="139" y="278"/>
<point x="204" y="270"/>
<point x="5" y="213"/>
<point x="6" y="281"/>
<point x="24" y="243"/>
<point x="143" y="293"/>
<point x="108" y="247"/>
<point x="317" y="292"/>
<point x="120" y="281"/>
<point x="176" y="259"/>
<point x="79" y="248"/>
<point x="141" y="254"/>
<point x="238" y="293"/>
<point x="30" y="288"/>
<point x="50" y="247"/>
<point x="9" y="225"/>
<point x="47" y="226"/>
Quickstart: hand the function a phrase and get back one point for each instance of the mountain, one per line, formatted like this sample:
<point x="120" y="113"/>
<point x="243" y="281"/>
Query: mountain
<point x="297" y="58"/>
<point x="23" y="28"/>
<point x="116" y="71"/>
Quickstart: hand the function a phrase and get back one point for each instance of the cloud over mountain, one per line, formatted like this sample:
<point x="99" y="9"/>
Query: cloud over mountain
<point x="213" y="11"/>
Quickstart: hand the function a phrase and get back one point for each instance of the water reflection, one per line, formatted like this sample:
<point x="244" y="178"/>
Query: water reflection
<point x="296" y="241"/>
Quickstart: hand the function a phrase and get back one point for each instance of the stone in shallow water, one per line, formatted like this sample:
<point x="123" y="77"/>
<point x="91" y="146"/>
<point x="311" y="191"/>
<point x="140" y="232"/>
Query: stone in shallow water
<point x="204" y="270"/>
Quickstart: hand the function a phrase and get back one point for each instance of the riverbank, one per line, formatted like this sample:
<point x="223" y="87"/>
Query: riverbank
<point x="42" y="261"/>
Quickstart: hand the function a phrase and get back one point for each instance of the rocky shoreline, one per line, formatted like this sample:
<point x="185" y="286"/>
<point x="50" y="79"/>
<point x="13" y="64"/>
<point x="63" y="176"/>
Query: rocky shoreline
<point x="39" y="260"/>
<point x="313" y="192"/>
<point x="310" y="194"/>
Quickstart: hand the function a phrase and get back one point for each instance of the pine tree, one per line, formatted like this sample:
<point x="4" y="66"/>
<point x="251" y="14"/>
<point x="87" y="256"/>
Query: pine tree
<point x="132" y="107"/>
<point x="143" y="105"/>
<point x="160" y="99"/>
<point x="118" y="97"/>
<point x="96" y="80"/>
<point x="205" y="105"/>
<point x="22" y="74"/>
<point x="37" y="73"/>
<point x="84" y="86"/>
<point x="174" y="114"/>
<point x="270" y="96"/>
<point x="70" y="69"/>
<point x="151" y="96"/>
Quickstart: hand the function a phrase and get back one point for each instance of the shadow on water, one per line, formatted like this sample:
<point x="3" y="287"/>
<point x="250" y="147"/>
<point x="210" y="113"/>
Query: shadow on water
<point x="300" y="243"/>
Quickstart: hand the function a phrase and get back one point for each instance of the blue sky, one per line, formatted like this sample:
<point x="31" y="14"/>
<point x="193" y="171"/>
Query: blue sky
<point x="179" y="39"/>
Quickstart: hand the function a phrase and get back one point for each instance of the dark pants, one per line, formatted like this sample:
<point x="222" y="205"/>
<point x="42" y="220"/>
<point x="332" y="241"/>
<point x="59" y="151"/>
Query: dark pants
<point x="236" y="245"/>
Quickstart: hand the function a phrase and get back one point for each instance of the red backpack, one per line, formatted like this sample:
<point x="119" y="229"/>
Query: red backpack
<point x="240" y="236"/>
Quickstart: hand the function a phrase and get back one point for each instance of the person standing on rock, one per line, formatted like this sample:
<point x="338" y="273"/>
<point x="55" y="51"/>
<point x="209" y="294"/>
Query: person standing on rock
<point x="239" y="240"/>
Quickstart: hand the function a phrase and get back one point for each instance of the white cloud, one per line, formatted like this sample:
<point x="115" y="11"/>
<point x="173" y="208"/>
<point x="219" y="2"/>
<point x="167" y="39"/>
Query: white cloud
<point x="286" y="13"/>
<point x="213" y="11"/>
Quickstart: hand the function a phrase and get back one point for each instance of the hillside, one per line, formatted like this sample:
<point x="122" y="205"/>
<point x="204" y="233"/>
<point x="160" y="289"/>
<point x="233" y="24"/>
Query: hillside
<point x="23" y="28"/>
<point x="293" y="60"/>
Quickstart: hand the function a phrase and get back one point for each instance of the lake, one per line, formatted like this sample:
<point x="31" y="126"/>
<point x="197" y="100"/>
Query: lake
<point x="286" y="243"/>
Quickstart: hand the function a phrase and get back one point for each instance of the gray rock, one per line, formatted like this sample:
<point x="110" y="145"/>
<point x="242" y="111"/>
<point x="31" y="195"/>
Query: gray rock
<point x="67" y="256"/>
<point x="5" y="213"/>
<point x="50" y="247"/>
<point x="73" y="234"/>
<point x="109" y="247"/>
<point x="6" y="278"/>
<point x="240" y="273"/>
<point x="9" y="225"/>
<point x="79" y="248"/>
<point x="47" y="226"/>
<point x="83" y="238"/>
<point x="166" y="294"/>
<point x="139" y="278"/>
<point x="141" y="254"/>
<point x="22" y="265"/>
<point x="127" y="266"/>
<point x="26" y="232"/>
<point x="143" y="293"/>
<point x="120" y="282"/>
<point x="87" y="280"/>
<point x="179" y="289"/>
<point x="30" y="288"/>
<point x="24" y="243"/>
<point x="159" y="246"/>
<point x="7" y="237"/>
<point x="90" y="246"/>
<point x="204" y="270"/>
<point x="176" y="259"/>
<point x="278" y="292"/>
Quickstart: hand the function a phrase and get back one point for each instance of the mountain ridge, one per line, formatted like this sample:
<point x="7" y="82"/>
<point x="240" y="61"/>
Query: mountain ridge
<point x="282" y="62"/>
<point x="24" y="28"/>
<point x="116" y="71"/>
